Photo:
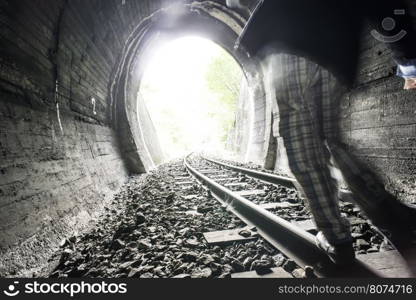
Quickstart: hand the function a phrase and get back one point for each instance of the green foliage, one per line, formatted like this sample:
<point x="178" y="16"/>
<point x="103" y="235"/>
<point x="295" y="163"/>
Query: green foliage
<point x="224" y="78"/>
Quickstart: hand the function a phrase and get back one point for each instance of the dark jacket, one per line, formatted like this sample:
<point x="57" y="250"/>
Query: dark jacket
<point x="327" y="32"/>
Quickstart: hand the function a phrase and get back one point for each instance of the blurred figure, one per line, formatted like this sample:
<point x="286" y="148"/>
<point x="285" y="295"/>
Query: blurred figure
<point x="309" y="50"/>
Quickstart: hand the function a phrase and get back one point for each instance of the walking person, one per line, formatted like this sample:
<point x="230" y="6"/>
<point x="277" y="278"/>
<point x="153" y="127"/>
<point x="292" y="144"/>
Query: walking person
<point x="309" y="50"/>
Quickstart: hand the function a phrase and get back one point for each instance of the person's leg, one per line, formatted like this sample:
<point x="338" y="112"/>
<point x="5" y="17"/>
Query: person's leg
<point x="298" y="90"/>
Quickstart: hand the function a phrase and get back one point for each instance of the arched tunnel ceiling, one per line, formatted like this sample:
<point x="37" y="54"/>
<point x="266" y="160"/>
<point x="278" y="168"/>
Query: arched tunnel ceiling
<point x="221" y="13"/>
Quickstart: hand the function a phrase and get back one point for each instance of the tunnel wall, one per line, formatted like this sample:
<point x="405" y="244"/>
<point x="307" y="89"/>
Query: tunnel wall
<point x="60" y="159"/>
<point x="149" y="132"/>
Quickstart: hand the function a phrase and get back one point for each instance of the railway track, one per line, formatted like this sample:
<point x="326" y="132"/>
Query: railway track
<point x="256" y="198"/>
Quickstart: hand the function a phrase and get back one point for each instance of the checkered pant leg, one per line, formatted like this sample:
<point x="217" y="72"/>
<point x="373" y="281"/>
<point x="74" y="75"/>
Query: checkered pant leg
<point x="303" y="98"/>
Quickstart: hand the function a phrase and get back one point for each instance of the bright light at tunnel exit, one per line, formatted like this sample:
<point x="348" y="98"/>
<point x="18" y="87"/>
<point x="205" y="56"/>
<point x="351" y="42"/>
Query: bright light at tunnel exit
<point x="191" y="88"/>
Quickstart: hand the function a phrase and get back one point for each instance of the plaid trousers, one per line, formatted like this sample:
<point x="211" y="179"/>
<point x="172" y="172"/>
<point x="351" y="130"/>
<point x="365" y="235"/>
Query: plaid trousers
<point x="308" y="99"/>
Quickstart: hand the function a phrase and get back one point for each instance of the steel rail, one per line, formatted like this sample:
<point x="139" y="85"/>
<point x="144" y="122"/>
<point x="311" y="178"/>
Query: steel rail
<point x="291" y="240"/>
<point x="270" y="178"/>
<point x="274" y="179"/>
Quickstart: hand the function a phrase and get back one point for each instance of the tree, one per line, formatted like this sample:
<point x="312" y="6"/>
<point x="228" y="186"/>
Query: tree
<point x="224" y="78"/>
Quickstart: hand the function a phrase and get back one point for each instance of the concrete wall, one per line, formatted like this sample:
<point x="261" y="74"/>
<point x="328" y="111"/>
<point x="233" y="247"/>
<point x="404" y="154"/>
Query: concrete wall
<point x="149" y="132"/>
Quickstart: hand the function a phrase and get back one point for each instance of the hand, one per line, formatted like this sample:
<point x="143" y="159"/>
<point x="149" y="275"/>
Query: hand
<point x="410" y="84"/>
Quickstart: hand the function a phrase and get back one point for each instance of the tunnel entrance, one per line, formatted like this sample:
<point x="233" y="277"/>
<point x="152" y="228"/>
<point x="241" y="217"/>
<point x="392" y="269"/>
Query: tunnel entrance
<point x="190" y="91"/>
<point x="209" y="21"/>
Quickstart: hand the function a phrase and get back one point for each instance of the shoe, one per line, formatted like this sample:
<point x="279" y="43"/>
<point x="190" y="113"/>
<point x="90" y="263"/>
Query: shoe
<point x="341" y="254"/>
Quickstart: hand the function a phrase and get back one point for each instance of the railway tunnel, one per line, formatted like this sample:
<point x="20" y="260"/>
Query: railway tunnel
<point x="70" y="129"/>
